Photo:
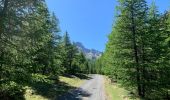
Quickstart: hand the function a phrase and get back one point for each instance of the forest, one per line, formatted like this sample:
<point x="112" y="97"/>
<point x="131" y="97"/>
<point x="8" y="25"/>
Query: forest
<point x="137" y="54"/>
<point x="34" y="51"/>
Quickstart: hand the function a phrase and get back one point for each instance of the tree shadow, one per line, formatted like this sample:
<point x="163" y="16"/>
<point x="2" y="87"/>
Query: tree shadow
<point x="83" y="76"/>
<point x="78" y="75"/>
<point x="7" y="96"/>
<point x="50" y="91"/>
<point x="76" y="94"/>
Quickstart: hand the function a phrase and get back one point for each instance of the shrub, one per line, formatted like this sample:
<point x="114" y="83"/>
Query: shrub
<point x="11" y="91"/>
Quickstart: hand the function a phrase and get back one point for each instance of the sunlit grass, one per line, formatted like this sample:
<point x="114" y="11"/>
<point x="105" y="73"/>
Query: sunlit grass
<point x="115" y="92"/>
<point x="75" y="82"/>
<point x="29" y="95"/>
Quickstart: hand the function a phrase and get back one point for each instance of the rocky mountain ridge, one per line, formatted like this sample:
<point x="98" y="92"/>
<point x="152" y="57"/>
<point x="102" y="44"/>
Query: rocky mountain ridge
<point x="89" y="53"/>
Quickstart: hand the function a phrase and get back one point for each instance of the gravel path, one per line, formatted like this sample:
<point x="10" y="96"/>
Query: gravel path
<point x="92" y="89"/>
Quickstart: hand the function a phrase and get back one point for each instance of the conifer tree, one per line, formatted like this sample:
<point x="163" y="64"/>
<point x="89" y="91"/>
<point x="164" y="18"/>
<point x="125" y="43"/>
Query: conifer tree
<point x="68" y="53"/>
<point x="127" y="37"/>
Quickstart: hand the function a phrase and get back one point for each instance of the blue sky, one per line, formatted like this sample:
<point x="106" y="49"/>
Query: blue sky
<point x="90" y="21"/>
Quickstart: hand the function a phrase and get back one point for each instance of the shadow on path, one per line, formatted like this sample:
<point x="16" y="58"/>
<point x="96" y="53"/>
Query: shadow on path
<point x="76" y="94"/>
<point x="78" y="75"/>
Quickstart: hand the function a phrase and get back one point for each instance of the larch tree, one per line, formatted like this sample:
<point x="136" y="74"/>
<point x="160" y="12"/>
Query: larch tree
<point x="126" y="43"/>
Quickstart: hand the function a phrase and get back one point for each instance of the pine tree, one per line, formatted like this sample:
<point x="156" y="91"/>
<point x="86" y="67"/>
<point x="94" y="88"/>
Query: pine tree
<point x="126" y="41"/>
<point x="137" y="53"/>
<point x="68" y="53"/>
<point x="28" y="33"/>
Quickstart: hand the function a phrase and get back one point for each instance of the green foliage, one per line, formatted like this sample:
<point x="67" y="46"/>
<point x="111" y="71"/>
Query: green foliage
<point x="69" y="52"/>
<point x="39" y="78"/>
<point x="29" y="43"/>
<point x="11" y="91"/>
<point x="137" y="53"/>
<point x="32" y="50"/>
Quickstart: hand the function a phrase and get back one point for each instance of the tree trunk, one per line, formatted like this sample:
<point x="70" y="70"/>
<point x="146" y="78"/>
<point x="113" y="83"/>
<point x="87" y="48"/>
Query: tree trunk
<point x="2" y="16"/>
<point x="1" y="64"/>
<point x="143" y="70"/>
<point x="135" y="52"/>
<point x="44" y="70"/>
<point x="2" y="19"/>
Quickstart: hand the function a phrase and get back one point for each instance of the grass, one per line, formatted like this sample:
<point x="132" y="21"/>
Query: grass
<point x="115" y="91"/>
<point x="49" y="91"/>
<point x="75" y="82"/>
<point x="30" y="95"/>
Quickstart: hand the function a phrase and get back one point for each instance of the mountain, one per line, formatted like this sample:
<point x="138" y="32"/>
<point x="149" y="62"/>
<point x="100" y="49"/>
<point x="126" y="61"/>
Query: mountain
<point x="89" y="53"/>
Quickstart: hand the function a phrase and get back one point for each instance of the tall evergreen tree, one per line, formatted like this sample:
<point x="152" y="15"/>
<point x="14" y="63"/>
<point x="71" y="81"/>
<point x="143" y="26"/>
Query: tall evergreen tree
<point x="137" y="53"/>
<point x="27" y="30"/>
<point x="127" y="41"/>
<point x="68" y="53"/>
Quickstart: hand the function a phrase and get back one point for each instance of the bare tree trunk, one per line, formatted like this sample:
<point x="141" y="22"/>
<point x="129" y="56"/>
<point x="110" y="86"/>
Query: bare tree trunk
<point x="135" y="52"/>
<point x="143" y="70"/>
<point x="2" y="19"/>
<point x="3" y="15"/>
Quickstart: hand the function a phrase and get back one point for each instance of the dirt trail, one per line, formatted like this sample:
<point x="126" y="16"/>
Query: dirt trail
<point x="92" y="89"/>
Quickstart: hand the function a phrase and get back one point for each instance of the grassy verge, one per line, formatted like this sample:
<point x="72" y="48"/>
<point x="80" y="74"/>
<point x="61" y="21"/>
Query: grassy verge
<point x="75" y="82"/>
<point x="50" y="90"/>
<point x="115" y="92"/>
<point x="30" y="94"/>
